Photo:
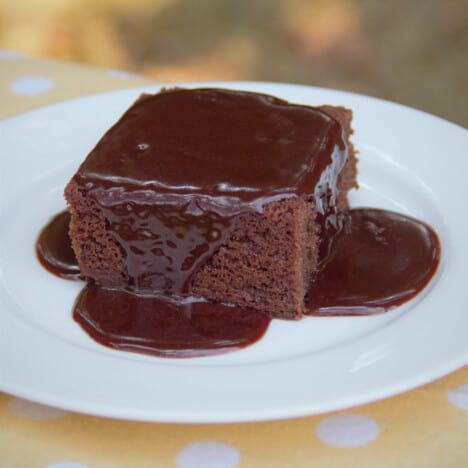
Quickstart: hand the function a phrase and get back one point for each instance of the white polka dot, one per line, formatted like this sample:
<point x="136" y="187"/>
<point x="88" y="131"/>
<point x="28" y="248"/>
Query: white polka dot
<point x="31" y="85"/>
<point x="208" y="455"/>
<point x="28" y="409"/>
<point x="459" y="397"/>
<point x="347" y="430"/>
<point x="66" y="465"/>
<point x="10" y="54"/>
<point x="121" y="73"/>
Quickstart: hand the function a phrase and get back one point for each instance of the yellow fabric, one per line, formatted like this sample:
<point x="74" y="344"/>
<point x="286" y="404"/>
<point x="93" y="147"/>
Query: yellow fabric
<point x="427" y="427"/>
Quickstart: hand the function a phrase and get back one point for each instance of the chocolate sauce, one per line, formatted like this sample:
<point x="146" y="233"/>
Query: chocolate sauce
<point x="54" y="250"/>
<point x="150" y="325"/>
<point x="174" y="175"/>
<point x="378" y="260"/>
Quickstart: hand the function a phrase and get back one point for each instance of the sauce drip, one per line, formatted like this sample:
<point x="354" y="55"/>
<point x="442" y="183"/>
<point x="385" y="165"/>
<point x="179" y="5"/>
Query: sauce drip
<point x="54" y="250"/>
<point x="378" y="260"/>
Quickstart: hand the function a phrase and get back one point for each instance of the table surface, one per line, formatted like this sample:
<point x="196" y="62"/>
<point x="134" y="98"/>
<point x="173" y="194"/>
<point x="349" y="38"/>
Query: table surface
<point x="427" y="427"/>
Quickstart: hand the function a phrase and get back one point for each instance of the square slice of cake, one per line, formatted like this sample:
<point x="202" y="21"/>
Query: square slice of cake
<point x="226" y="195"/>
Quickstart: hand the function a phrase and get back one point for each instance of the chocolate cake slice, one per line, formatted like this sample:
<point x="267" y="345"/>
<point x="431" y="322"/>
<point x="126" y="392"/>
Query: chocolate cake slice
<point x="226" y="195"/>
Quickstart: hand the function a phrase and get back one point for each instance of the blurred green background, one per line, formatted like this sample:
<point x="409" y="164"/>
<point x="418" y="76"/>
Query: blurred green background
<point x="412" y="52"/>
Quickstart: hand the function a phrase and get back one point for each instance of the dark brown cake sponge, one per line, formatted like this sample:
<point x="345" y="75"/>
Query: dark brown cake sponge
<point x="267" y="263"/>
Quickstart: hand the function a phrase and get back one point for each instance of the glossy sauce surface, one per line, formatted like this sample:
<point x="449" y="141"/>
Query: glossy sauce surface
<point x="190" y="162"/>
<point x="230" y="147"/>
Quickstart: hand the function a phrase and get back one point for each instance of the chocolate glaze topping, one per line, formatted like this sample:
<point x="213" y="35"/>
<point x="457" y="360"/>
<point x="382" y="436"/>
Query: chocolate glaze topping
<point x="229" y="147"/>
<point x="188" y="163"/>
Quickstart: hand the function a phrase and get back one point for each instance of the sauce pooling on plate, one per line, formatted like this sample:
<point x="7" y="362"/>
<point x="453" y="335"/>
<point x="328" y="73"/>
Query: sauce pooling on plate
<point x="379" y="260"/>
<point x="151" y="325"/>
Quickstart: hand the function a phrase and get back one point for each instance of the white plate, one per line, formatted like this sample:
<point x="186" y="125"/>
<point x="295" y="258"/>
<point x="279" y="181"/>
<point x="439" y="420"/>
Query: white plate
<point x="409" y="161"/>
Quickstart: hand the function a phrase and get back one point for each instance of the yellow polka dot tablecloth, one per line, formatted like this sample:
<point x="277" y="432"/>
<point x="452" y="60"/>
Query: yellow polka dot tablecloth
<point x="426" y="427"/>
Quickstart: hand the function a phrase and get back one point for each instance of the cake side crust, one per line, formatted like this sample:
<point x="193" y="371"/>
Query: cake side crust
<point x="99" y="257"/>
